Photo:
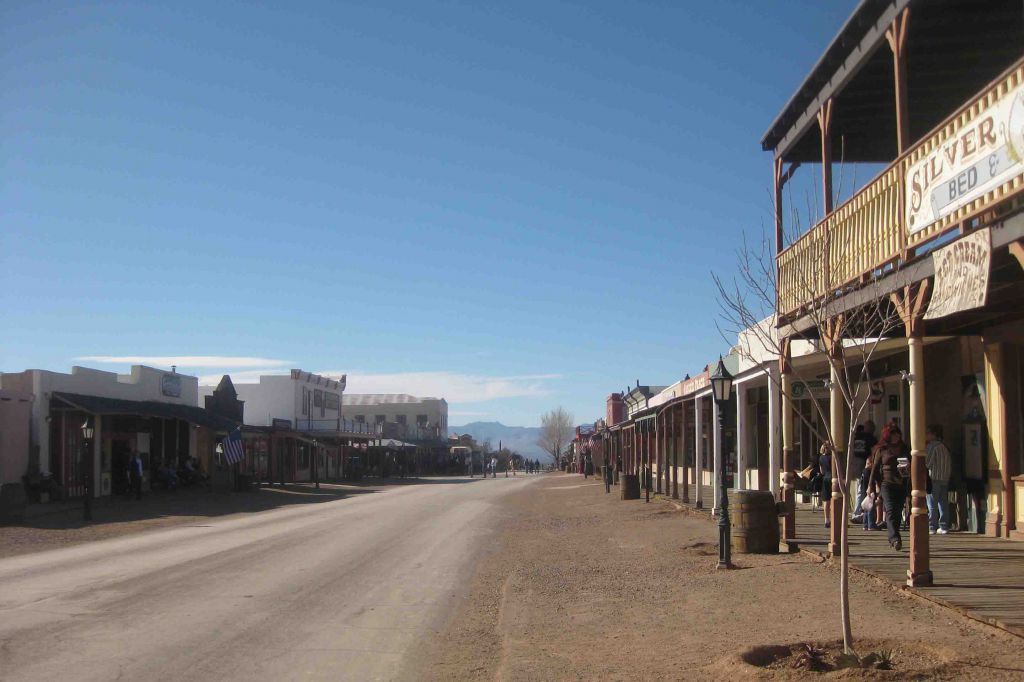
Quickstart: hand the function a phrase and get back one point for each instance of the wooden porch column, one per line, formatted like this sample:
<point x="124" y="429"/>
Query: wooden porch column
<point x="675" y="452"/>
<point x="896" y="35"/>
<point x="825" y="124"/>
<point x="910" y="306"/>
<point x="634" y="451"/>
<point x="1000" y="389"/>
<point x="698" y="461"/>
<point x="659" y="438"/>
<point x="779" y="180"/>
<point x="774" y="447"/>
<point x="833" y="338"/>
<point x="788" y="492"/>
<point x="741" y="436"/>
<point x="680" y="456"/>
<point x="665" y="439"/>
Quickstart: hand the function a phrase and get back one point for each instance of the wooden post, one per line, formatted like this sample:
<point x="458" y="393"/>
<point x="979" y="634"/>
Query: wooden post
<point x="896" y="35"/>
<point x="788" y="475"/>
<point x="658" y="437"/>
<point x="833" y="339"/>
<point x="1001" y="518"/>
<point x="910" y="306"/>
<point x="634" y="463"/>
<point x="777" y="185"/>
<point x="741" y="436"/>
<point x="675" y="453"/>
<point x="825" y="124"/>
<point x="774" y="448"/>
<point x="698" y="460"/>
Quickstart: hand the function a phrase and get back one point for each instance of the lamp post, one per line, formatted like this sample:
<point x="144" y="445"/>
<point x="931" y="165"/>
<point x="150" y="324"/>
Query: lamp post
<point x="721" y="387"/>
<point x="87" y="434"/>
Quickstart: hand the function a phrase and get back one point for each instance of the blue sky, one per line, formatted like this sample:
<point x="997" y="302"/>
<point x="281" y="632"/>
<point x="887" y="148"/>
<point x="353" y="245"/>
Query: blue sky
<point x="512" y="205"/>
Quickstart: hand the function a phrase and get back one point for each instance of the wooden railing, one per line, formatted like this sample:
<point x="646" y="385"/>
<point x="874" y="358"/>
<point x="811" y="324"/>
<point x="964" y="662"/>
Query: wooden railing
<point x="869" y="232"/>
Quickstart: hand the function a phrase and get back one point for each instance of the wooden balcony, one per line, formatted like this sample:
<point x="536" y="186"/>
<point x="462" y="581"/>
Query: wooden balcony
<point x="960" y="176"/>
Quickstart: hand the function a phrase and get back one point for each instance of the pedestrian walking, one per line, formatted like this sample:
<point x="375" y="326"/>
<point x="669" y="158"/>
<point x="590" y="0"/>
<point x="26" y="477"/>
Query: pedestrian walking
<point x="888" y="467"/>
<point x="135" y="474"/>
<point x="864" y="442"/>
<point x="939" y="463"/>
<point x="825" y="469"/>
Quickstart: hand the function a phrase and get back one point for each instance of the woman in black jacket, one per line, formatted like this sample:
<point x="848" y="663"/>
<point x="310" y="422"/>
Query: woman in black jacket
<point x="888" y="467"/>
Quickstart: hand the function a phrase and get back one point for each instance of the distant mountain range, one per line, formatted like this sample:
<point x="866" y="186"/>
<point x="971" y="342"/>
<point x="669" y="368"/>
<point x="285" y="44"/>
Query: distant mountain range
<point x="521" y="439"/>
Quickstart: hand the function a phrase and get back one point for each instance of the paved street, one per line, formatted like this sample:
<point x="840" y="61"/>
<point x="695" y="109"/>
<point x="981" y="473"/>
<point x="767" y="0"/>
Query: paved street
<point x="339" y="590"/>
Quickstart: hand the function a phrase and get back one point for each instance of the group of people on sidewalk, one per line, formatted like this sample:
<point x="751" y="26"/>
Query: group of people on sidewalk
<point x="882" y="466"/>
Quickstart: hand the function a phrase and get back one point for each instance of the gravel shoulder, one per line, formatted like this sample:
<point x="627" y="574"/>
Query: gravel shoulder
<point x="581" y="585"/>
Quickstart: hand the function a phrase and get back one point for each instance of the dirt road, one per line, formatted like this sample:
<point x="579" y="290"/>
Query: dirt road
<point x="341" y="590"/>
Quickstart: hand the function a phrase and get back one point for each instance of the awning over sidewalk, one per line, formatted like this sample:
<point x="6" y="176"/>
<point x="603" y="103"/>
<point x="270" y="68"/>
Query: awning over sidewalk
<point x="146" y="408"/>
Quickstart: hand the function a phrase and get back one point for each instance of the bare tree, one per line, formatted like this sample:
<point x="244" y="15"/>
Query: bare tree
<point x="827" y="315"/>
<point x="556" y="432"/>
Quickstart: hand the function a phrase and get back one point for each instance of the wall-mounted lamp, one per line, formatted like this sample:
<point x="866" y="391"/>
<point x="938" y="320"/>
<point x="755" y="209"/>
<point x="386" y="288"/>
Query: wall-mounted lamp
<point x="907" y="377"/>
<point x="827" y="383"/>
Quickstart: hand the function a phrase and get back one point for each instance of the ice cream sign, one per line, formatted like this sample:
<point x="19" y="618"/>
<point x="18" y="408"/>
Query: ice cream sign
<point x="979" y="157"/>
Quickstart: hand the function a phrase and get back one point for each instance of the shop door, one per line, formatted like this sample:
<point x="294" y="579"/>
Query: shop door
<point x="764" y="470"/>
<point x="120" y="454"/>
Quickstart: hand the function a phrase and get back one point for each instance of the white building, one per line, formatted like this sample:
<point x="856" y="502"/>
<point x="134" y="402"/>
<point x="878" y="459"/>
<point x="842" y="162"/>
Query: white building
<point x="417" y="418"/>
<point x="307" y="401"/>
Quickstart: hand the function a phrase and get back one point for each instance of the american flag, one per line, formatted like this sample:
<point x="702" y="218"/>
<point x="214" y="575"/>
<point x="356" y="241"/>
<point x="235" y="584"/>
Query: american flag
<point x="233" y="450"/>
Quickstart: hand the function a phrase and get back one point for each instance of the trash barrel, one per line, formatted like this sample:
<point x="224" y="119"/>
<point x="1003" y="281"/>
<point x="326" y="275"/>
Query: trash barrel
<point x="630" y="486"/>
<point x="755" y="522"/>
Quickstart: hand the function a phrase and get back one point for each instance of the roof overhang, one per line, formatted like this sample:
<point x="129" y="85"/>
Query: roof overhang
<point x="954" y="48"/>
<point x="100" y="405"/>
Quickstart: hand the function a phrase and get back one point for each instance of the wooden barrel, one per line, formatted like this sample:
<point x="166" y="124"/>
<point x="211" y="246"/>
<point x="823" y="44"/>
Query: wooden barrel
<point x="754" y="521"/>
<point x="630" y="486"/>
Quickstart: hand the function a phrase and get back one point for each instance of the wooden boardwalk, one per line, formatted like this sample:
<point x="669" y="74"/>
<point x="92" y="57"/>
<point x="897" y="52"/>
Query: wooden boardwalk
<point x="981" y="577"/>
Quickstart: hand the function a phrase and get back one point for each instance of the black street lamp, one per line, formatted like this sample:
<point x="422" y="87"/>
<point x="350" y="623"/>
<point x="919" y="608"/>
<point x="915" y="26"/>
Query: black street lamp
<point x="87" y="435"/>
<point x="721" y="388"/>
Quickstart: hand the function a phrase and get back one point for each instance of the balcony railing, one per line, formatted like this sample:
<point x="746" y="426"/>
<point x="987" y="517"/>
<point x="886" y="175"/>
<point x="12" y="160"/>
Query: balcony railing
<point x="876" y="228"/>
<point x="342" y="425"/>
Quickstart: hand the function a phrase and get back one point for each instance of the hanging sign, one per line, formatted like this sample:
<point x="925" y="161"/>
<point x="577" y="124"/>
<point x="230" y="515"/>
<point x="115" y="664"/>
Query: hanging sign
<point x="982" y="155"/>
<point x="961" y="275"/>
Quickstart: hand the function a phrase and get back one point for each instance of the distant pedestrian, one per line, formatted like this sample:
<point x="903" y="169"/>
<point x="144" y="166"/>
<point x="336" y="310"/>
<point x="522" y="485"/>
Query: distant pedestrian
<point x="939" y="463"/>
<point x="135" y="474"/>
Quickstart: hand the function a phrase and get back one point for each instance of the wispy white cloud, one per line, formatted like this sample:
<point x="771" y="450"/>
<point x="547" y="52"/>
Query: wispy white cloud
<point x="461" y="413"/>
<point x="186" y="361"/>
<point x="452" y="386"/>
<point x="247" y="376"/>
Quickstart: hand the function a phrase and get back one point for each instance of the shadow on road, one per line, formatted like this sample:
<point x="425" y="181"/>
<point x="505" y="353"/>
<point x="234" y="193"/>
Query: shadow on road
<point x="204" y="502"/>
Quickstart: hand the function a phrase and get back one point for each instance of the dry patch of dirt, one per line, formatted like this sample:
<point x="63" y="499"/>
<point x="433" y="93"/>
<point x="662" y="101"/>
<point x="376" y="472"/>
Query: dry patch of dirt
<point x="582" y="585"/>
